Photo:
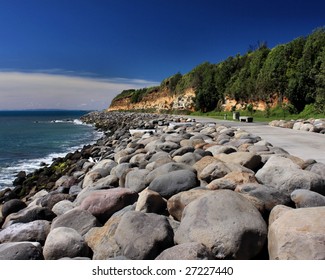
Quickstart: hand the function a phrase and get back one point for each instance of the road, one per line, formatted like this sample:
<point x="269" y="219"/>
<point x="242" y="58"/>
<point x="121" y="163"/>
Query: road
<point x="306" y="145"/>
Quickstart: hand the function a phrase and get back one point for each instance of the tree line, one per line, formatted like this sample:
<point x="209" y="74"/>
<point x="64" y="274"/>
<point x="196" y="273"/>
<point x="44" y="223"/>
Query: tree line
<point x="295" y="71"/>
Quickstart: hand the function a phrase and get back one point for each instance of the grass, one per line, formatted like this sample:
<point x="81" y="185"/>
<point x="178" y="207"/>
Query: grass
<point x="262" y="116"/>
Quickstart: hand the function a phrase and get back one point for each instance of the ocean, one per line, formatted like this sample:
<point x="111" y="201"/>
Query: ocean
<point x="29" y="138"/>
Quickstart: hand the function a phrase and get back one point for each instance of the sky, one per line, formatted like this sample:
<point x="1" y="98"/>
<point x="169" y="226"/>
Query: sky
<point x="79" y="54"/>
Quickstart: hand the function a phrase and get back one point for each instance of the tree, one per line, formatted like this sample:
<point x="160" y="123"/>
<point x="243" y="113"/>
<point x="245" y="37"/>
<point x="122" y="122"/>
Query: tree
<point x="272" y="77"/>
<point x="320" y="84"/>
<point x="302" y="87"/>
<point x="171" y="82"/>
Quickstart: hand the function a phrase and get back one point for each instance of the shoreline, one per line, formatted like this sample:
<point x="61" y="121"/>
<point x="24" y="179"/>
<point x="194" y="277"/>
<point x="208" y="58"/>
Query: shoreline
<point x="36" y="137"/>
<point x="160" y="176"/>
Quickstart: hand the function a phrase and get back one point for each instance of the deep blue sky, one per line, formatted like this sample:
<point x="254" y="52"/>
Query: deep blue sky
<point x="143" y="39"/>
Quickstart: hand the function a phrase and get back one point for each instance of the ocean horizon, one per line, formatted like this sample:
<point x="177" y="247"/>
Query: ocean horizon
<point x="29" y="138"/>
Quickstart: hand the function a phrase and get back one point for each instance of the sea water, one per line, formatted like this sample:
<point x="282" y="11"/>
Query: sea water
<point x="30" y="138"/>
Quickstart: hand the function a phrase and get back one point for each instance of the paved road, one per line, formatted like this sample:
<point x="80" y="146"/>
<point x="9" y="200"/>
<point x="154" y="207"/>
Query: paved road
<point x="306" y="145"/>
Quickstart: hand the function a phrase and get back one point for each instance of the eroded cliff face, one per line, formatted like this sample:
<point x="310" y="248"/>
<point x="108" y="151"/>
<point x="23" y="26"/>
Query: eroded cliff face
<point x="258" y="105"/>
<point x="158" y="101"/>
<point x="162" y="100"/>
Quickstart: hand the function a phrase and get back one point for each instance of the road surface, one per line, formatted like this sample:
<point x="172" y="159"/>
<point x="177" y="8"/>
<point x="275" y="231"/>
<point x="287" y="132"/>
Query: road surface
<point x="306" y="145"/>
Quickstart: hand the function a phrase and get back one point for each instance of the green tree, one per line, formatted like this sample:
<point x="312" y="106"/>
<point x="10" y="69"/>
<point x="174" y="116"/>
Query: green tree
<point x="171" y="82"/>
<point x="302" y="88"/>
<point x="320" y="84"/>
<point x="272" y="77"/>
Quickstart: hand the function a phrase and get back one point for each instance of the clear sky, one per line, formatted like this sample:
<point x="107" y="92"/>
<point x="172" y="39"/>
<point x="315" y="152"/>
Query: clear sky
<point x="79" y="54"/>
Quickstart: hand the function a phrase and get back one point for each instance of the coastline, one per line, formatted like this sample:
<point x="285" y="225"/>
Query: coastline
<point x="31" y="139"/>
<point x="150" y="177"/>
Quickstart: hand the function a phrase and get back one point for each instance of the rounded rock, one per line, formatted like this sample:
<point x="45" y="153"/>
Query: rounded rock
<point x="65" y="242"/>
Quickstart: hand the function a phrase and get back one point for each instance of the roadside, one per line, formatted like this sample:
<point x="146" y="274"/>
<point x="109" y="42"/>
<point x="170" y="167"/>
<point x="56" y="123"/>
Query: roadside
<point x="306" y="145"/>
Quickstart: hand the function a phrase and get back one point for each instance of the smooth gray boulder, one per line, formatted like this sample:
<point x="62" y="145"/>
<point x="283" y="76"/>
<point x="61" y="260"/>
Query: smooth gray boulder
<point x="21" y="251"/>
<point x="12" y="206"/>
<point x="318" y="168"/>
<point x="174" y="182"/>
<point x="143" y="236"/>
<point x="166" y="169"/>
<point x="135" y="180"/>
<point x="226" y="223"/>
<point x="35" y="231"/>
<point x="80" y="220"/>
<point x="306" y="198"/>
<point x="264" y="198"/>
<point x="286" y="176"/>
<point x="65" y="242"/>
<point x="62" y="207"/>
<point x="52" y="198"/>
<point x="29" y="214"/>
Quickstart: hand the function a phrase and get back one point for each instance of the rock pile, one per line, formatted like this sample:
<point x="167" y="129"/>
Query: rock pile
<point x="312" y="125"/>
<point x="174" y="189"/>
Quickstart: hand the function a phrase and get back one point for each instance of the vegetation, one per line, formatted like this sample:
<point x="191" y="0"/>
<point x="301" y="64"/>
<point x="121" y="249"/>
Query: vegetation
<point x="293" y="72"/>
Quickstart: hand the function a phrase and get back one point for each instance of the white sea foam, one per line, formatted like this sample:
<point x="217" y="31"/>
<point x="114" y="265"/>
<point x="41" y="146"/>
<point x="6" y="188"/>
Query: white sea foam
<point x="9" y="173"/>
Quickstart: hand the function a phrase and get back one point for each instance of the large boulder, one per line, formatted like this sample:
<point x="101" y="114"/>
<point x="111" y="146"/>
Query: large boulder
<point x="65" y="242"/>
<point x="80" y="220"/>
<point x="174" y="182"/>
<point x="135" y="180"/>
<point x="226" y="223"/>
<point x="178" y="202"/>
<point x="186" y="251"/>
<point x="151" y="202"/>
<point x="104" y="203"/>
<point x="298" y="234"/>
<point x="286" y="176"/>
<point x="318" y="168"/>
<point x="247" y="159"/>
<point x="21" y="251"/>
<point x="143" y="235"/>
<point x="306" y="198"/>
<point x="214" y="170"/>
<point x="203" y="163"/>
<point x="12" y="206"/>
<point x="101" y="240"/>
<point x="29" y="214"/>
<point x="52" y="198"/>
<point x="166" y="169"/>
<point x="263" y="197"/>
<point x="36" y="231"/>
<point x="62" y="207"/>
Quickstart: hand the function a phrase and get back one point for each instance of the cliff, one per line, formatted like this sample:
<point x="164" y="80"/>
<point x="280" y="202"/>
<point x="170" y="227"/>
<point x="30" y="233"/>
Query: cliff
<point x="159" y="100"/>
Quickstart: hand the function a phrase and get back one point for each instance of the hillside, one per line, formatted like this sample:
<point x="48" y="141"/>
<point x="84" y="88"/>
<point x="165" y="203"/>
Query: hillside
<point x="290" y="75"/>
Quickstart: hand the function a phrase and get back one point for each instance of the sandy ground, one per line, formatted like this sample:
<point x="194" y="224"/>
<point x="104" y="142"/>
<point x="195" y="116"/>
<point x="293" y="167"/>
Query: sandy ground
<point x="306" y="145"/>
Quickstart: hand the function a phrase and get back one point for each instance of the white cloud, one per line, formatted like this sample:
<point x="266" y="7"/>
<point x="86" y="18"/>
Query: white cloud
<point x="20" y="90"/>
